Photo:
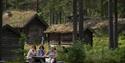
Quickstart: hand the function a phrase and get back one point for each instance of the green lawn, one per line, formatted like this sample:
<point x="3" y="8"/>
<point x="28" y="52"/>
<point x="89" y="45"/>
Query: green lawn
<point x="99" y="53"/>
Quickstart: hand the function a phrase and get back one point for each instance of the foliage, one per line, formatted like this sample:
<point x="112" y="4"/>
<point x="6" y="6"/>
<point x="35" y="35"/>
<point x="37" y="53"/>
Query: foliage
<point x="103" y="55"/>
<point x="73" y="54"/>
<point x="23" y="39"/>
<point x="99" y="53"/>
<point x="122" y="58"/>
<point x="61" y="53"/>
<point x="93" y="8"/>
<point x="76" y="53"/>
<point x="122" y="44"/>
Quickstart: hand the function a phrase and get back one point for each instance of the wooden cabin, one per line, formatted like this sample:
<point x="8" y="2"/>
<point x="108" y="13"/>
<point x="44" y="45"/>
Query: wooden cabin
<point x="10" y="46"/>
<point x="59" y="33"/>
<point x="27" y="22"/>
<point x="63" y="34"/>
<point x="59" y="38"/>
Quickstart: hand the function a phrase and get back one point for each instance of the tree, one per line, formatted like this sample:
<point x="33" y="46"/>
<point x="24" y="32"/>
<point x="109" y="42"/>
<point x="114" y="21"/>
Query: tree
<point x="121" y="8"/>
<point x="74" y="20"/>
<point x="1" y="2"/>
<point x="81" y="19"/>
<point x="37" y="7"/>
<point x="113" y="24"/>
<point x="110" y="10"/>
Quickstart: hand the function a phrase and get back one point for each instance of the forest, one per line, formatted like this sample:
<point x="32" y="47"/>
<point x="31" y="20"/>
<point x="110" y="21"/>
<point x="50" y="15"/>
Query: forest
<point x="82" y="31"/>
<point x="92" y="8"/>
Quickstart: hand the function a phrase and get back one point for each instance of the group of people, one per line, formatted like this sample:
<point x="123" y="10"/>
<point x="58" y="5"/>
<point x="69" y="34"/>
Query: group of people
<point x="49" y="57"/>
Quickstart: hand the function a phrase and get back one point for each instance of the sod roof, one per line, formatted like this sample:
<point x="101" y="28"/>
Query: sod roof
<point x="18" y="18"/>
<point x="91" y="24"/>
<point x="61" y="28"/>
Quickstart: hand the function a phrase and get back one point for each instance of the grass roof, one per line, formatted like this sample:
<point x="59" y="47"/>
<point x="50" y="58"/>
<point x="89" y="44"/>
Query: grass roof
<point x="91" y="24"/>
<point x="18" y="18"/>
<point x="61" y="28"/>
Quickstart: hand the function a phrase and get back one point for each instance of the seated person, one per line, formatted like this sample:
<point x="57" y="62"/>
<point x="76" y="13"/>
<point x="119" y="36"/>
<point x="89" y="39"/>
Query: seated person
<point x="52" y="55"/>
<point x="41" y="52"/>
<point x="31" y="53"/>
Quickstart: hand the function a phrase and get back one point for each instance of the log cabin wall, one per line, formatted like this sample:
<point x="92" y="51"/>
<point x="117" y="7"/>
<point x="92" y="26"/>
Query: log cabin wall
<point x="10" y="45"/>
<point x="59" y="38"/>
<point x="67" y="38"/>
<point x="34" y="30"/>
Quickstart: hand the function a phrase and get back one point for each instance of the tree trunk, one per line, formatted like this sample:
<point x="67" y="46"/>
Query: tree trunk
<point x="110" y="10"/>
<point x="60" y="17"/>
<point x="1" y="7"/>
<point x="102" y="10"/>
<point x="74" y="20"/>
<point x="53" y="17"/>
<point x="37" y="6"/>
<point x="81" y="19"/>
<point x="50" y="17"/>
<point x="56" y="17"/>
<point x="115" y="24"/>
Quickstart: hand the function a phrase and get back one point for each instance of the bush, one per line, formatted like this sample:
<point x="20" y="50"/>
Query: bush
<point x="76" y="53"/>
<point x="61" y="54"/>
<point x="99" y="53"/>
<point x="73" y="54"/>
<point x="122" y="58"/>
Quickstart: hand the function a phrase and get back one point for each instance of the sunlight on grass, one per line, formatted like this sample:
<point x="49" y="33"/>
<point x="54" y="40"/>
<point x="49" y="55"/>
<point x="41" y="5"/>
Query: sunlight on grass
<point x="99" y="53"/>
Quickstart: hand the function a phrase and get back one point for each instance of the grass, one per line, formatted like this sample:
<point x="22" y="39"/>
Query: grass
<point x="99" y="53"/>
<point x="18" y="18"/>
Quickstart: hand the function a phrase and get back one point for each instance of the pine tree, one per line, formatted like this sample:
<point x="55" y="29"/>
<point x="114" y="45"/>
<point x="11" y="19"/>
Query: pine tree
<point x="113" y="24"/>
<point x="81" y="19"/>
<point x="74" y="20"/>
<point x="1" y="1"/>
<point x="110" y="10"/>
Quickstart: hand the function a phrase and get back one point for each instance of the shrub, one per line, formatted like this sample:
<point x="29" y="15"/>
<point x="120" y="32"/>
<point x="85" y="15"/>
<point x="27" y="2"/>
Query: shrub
<point x="61" y="54"/>
<point x="122" y="58"/>
<point x="73" y="54"/>
<point x="76" y="53"/>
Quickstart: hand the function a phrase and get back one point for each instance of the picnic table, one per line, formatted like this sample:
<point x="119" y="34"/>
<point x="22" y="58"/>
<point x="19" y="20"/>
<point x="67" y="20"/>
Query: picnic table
<point x="39" y="59"/>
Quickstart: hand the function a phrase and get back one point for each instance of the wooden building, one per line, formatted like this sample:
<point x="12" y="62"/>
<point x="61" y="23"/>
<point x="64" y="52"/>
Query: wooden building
<point x="63" y="34"/>
<point x="59" y="33"/>
<point x="59" y="38"/>
<point x="15" y="23"/>
<point x="10" y="45"/>
<point x="27" y="22"/>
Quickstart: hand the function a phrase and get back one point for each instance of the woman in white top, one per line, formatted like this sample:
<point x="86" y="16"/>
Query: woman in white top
<point x="31" y="53"/>
<point x="52" y="55"/>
